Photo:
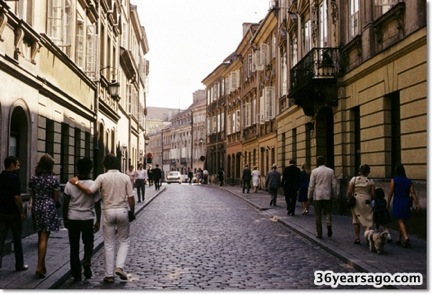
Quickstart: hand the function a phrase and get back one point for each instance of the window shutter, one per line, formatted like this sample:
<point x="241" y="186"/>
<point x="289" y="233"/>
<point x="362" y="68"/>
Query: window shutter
<point x="265" y="54"/>
<point x="261" y="110"/>
<point x="90" y="56"/>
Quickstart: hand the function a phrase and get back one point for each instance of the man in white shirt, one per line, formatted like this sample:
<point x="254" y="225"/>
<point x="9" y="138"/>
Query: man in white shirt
<point x="322" y="188"/>
<point x="117" y="196"/>
<point x="140" y="180"/>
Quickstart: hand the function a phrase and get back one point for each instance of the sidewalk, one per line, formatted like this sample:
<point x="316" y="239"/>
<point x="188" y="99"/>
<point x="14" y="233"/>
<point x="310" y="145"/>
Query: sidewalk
<point x="394" y="259"/>
<point x="57" y="259"/>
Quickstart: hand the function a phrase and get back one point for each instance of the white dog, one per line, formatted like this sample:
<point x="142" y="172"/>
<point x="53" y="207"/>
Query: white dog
<point x="376" y="240"/>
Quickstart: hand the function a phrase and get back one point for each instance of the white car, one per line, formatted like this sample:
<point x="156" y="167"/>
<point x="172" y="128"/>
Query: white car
<point x="174" y="177"/>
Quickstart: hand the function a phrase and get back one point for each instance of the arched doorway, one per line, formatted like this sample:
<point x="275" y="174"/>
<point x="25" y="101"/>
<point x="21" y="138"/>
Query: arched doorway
<point x="325" y="135"/>
<point x="19" y="142"/>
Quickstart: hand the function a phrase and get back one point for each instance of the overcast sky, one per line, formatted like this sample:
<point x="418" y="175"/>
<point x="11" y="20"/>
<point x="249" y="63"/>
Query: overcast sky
<point x="188" y="39"/>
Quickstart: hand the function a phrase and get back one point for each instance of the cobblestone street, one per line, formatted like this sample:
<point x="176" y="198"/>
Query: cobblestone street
<point x="194" y="238"/>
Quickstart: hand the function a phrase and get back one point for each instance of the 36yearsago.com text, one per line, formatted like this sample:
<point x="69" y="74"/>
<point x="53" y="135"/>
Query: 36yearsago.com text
<point x="377" y="280"/>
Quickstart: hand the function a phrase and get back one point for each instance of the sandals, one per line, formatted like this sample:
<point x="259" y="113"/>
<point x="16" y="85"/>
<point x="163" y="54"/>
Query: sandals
<point x="357" y="241"/>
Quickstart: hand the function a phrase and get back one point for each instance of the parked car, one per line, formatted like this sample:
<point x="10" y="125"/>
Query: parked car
<point x="174" y="177"/>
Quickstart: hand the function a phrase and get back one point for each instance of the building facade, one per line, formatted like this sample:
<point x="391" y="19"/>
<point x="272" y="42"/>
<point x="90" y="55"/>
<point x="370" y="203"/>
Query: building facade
<point x="58" y="60"/>
<point x="343" y="79"/>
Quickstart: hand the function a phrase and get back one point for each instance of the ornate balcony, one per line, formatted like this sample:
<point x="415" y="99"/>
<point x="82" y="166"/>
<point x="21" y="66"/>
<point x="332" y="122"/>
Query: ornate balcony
<point x="313" y="79"/>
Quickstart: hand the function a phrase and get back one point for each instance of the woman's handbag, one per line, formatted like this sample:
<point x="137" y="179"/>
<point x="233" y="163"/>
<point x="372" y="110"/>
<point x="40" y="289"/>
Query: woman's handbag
<point x="351" y="202"/>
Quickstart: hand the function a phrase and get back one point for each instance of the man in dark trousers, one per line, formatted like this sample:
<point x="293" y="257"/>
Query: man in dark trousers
<point x="157" y="175"/>
<point x="291" y="185"/>
<point x="11" y="210"/>
<point x="246" y="178"/>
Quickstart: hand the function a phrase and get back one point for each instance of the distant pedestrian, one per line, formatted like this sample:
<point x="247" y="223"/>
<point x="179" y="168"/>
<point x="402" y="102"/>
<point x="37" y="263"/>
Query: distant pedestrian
<point x="11" y="210"/>
<point x="45" y="195"/>
<point x="117" y="196"/>
<point x="363" y="189"/>
<point x="404" y="196"/>
<point x="205" y="175"/>
<point x="273" y="182"/>
<point x="221" y="176"/>
<point x="190" y="176"/>
<point x="256" y="177"/>
<point x="79" y="212"/>
<point x="150" y="176"/>
<point x="291" y="185"/>
<point x="304" y="185"/>
<point x="132" y="174"/>
<point x="157" y="175"/>
<point x="246" y="178"/>
<point x="322" y="188"/>
<point x="140" y="182"/>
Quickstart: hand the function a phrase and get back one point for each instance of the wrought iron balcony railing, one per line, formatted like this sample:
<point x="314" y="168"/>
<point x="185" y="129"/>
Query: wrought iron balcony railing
<point x="319" y="63"/>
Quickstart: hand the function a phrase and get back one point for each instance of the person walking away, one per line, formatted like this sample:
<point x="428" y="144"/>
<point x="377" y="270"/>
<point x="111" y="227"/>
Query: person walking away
<point x="273" y="182"/>
<point x="150" y="176"/>
<point x="190" y="176"/>
<point x="403" y="194"/>
<point x="246" y="178"/>
<point x="79" y="211"/>
<point x="11" y="210"/>
<point x="322" y="188"/>
<point x="205" y="175"/>
<point x="256" y="176"/>
<point x="117" y="196"/>
<point x="140" y="182"/>
<point x="157" y="175"/>
<point x="304" y="185"/>
<point x="221" y="176"/>
<point x="363" y="190"/>
<point x="381" y="215"/>
<point x="132" y="174"/>
<point x="45" y="193"/>
<point x="291" y="185"/>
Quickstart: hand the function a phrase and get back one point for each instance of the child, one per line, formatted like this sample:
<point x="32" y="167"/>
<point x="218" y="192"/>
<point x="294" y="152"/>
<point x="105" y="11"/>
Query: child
<point x="381" y="215"/>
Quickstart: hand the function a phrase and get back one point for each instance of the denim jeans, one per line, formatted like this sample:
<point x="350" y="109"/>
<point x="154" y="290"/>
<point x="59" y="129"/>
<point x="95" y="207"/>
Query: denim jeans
<point x="115" y="218"/>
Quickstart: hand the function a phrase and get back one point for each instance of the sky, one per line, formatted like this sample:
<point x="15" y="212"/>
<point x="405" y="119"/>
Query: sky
<point x="188" y="39"/>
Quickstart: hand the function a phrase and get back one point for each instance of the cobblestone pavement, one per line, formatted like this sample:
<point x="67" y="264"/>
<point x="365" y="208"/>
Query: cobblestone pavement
<point x="195" y="238"/>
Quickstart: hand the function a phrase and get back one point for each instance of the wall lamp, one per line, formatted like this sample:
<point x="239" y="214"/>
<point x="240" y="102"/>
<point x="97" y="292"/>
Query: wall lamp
<point x="114" y="86"/>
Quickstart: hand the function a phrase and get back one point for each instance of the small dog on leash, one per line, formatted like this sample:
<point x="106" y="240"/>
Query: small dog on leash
<point x="376" y="240"/>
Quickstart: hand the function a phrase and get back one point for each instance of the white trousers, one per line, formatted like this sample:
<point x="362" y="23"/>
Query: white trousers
<point x="115" y="219"/>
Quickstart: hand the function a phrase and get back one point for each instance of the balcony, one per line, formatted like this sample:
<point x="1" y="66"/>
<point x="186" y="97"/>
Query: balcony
<point x="313" y="79"/>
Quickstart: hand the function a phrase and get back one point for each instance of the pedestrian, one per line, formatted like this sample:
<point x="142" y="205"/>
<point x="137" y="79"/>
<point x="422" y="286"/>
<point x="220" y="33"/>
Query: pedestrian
<point x="45" y="194"/>
<point x="221" y="176"/>
<point x="79" y="211"/>
<point x="150" y="176"/>
<point x="199" y="176"/>
<point x="132" y="174"/>
<point x="256" y="177"/>
<point x="381" y="215"/>
<point x="205" y="176"/>
<point x="246" y="178"/>
<point x="291" y="185"/>
<point x="322" y="188"/>
<point x="117" y="196"/>
<point x="157" y="175"/>
<point x="140" y="182"/>
<point x="404" y="196"/>
<point x="190" y="176"/>
<point x="304" y="185"/>
<point x="273" y="182"/>
<point x="11" y="210"/>
<point x="363" y="190"/>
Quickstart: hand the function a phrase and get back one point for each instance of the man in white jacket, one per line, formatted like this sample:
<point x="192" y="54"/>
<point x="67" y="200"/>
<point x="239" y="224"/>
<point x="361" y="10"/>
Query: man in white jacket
<point x="322" y="189"/>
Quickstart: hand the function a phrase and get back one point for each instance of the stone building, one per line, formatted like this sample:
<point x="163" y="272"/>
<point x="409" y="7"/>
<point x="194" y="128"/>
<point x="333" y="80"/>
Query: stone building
<point x="58" y="61"/>
<point x="343" y="79"/>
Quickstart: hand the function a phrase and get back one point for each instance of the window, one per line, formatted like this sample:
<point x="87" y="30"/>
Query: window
<point x="90" y="56"/>
<point x="247" y="114"/>
<point x="354" y="18"/>
<point x="269" y="103"/>
<point x="79" y="46"/>
<point x="386" y="5"/>
<point x="59" y="21"/>
<point x="323" y="24"/>
<point x="294" y="51"/>
<point x="284" y="76"/>
<point x="307" y="37"/>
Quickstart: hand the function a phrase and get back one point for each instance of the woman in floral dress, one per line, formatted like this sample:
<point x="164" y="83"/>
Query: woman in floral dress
<point x="45" y="192"/>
